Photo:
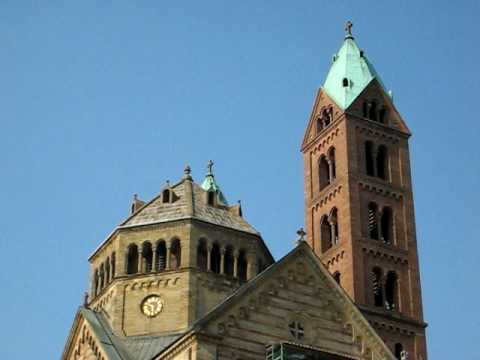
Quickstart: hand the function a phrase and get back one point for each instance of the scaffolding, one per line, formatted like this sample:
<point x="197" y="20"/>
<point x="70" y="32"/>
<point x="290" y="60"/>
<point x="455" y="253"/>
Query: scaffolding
<point x="292" y="351"/>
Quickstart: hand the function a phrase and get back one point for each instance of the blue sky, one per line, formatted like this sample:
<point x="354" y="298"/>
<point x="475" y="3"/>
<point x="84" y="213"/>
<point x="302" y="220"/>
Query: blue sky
<point x="101" y="100"/>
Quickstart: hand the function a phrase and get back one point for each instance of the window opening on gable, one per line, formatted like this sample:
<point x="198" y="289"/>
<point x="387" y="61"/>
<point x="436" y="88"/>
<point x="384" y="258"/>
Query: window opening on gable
<point x="382" y="115"/>
<point x="211" y="198"/>
<point x="372" y="114"/>
<point x="166" y="196"/>
<point x="345" y="82"/>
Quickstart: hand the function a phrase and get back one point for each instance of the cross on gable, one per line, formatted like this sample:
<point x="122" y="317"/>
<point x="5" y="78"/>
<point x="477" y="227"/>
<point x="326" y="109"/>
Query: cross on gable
<point x="297" y="330"/>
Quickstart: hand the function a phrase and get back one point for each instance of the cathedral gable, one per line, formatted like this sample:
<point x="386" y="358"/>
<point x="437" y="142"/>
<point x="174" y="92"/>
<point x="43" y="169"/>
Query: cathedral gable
<point x="296" y="300"/>
<point x="88" y="339"/>
<point x="324" y="112"/>
<point x="375" y="94"/>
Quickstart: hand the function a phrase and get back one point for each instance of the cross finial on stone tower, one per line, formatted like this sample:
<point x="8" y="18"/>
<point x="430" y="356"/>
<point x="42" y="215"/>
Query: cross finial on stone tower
<point x="187" y="171"/>
<point x="301" y="235"/>
<point x="210" y="167"/>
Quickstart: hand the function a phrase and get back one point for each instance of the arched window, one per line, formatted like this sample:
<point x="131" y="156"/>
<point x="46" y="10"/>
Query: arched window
<point x="95" y="283"/>
<point x="202" y="254"/>
<point x="147" y="255"/>
<point x="215" y="259"/>
<point x="331" y="158"/>
<point x="102" y="276"/>
<point x="132" y="259"/>
<point x="369" y="161"/>
<point x="377" y="287"/>
<point x="175" y="254"/>
<point x="333" y="219"/>
<point x="345" y="82"/>
<point x="229" y="261"/>
<point x="113" y="261"/>
<point x="398" y="351"/>
<point x="326" y="234"/>
<point x="337" y="276"/>
<point x="211" y="198"/>
<point x="161" y="261"/>
<point x="382" y="115"/>
<point x="166" y="196"/>
<point x="372" y="221"/>
<point x="242" y="266"/>
<point x="382" y="162"/>
<point x="391" y="291"/>
<point x="386" y="225"/>
<point x="107" y="270"/>
<point x="326" y="116"/>
<point x="372" y="114"/>
<point x="323" y="172"/>
<point x="365" y="109"/>
<point x="319" y="124"/>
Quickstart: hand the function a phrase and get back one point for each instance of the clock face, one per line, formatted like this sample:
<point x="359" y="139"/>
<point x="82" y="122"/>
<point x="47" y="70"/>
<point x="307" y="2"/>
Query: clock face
<point x="152" y="305"/>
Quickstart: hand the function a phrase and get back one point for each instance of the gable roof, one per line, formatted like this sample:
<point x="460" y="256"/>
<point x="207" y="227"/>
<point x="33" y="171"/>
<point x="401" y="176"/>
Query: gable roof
<point x="156" y="211"/>
<point x="349" y="63"/>
<point x="117" y="347"/>
<point x="342" y="298"/>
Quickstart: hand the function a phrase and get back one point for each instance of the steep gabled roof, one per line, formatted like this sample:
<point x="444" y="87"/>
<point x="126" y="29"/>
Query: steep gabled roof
<point x="359" y="323"/>
<point x="349" y="63"/>
<point x="117" y="347"/>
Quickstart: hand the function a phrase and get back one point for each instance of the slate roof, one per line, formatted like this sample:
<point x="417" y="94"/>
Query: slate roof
<point x="156" y="211"/>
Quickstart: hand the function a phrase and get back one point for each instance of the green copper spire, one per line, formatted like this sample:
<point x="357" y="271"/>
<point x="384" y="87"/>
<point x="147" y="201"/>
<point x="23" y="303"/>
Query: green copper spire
<point x="209" y="184"/>
<point x="350" y="72"/>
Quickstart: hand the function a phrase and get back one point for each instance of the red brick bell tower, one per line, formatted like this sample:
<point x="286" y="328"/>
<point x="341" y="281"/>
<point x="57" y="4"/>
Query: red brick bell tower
<point x="358" y="199"/>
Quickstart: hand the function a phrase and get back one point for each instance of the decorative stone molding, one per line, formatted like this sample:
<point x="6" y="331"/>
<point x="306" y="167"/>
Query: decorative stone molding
<point x="335" y="259"/>
<point x="327" y="197"/>
<point x="147" y="284"/>
<point x="379" y="189"/>
<point x="379" y="254"/>
<point x="392" y="329"/>
<point x="327" y="140"/>
<point x="377" y="134"/>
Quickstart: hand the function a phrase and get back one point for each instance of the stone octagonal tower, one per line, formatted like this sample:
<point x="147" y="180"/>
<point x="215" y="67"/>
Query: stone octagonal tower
<point x="179" y="254"/>
<point x="358" y="198"/>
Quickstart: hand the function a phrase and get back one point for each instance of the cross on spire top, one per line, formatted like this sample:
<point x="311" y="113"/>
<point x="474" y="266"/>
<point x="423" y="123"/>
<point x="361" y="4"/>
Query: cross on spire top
<point x="210" y="167"/>
<point x="348" y="28"/>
